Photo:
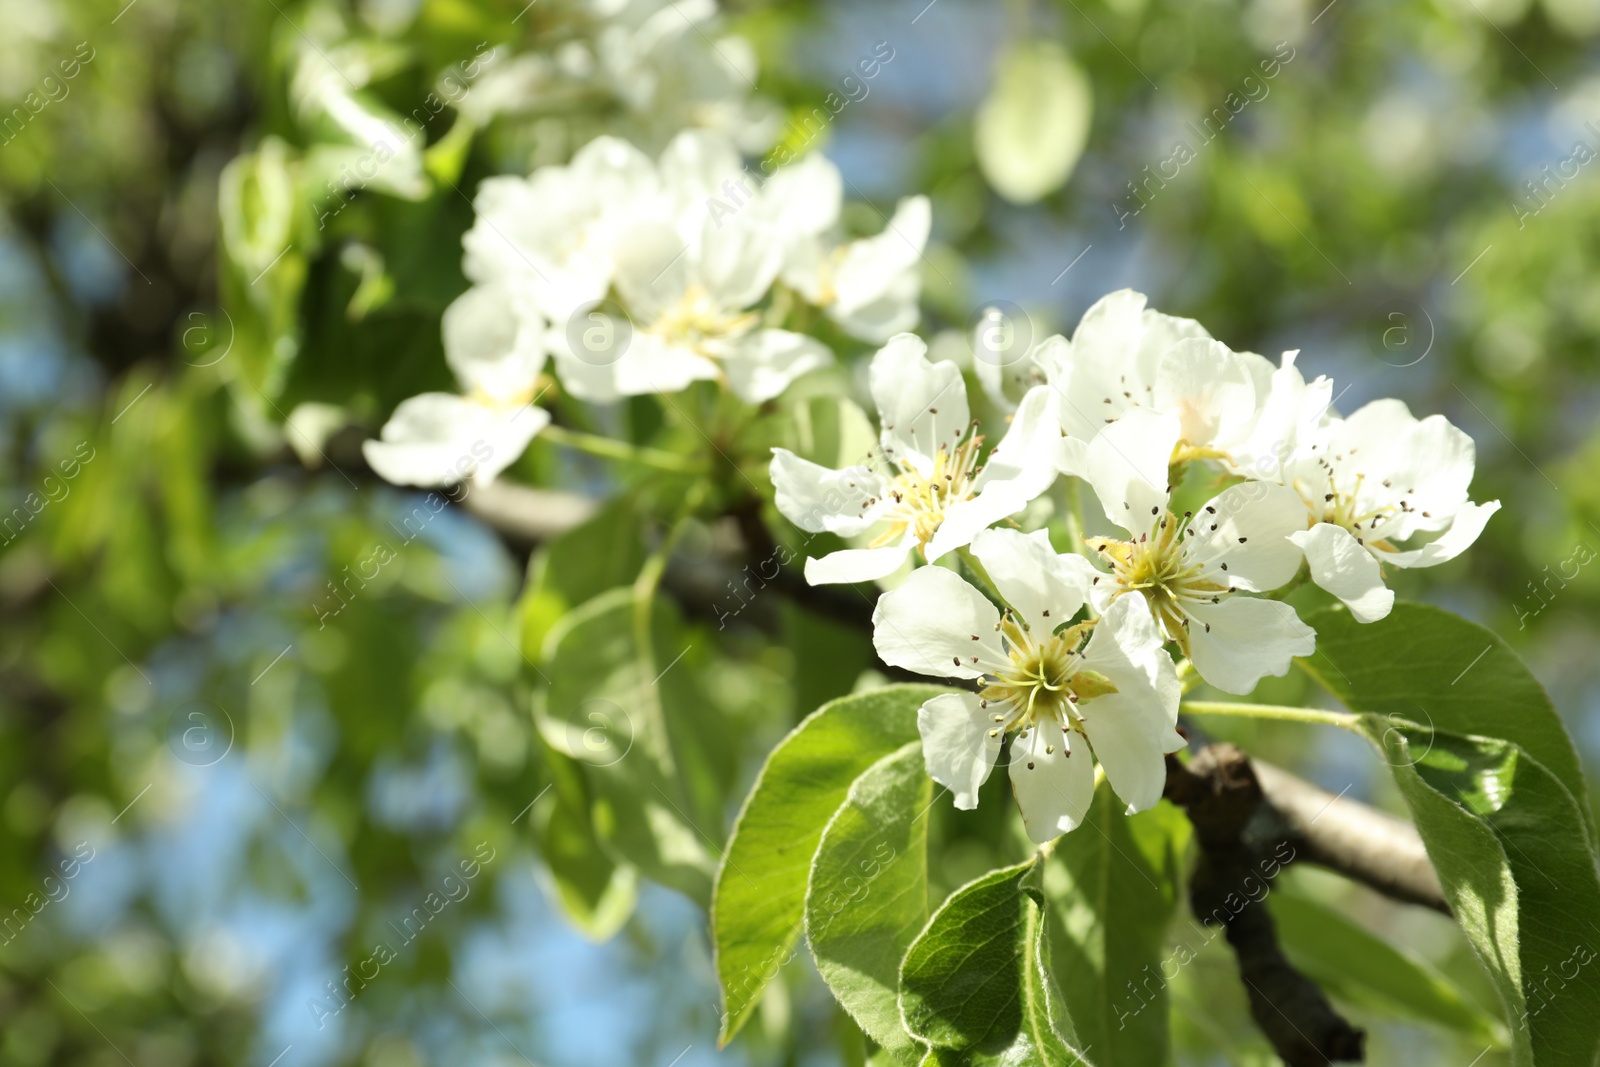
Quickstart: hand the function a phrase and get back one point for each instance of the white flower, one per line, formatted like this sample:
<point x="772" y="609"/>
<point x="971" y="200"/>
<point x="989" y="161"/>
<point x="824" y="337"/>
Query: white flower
<point x="1191" y="569"/>
<point x="869" y="287"/>
<point x="494" y="341"/>
<point x="689" y="276"/>
<point x="1040" y="682"/>
<point x="1372" y="483"/>
<point x="554" y="234"/>
<point x="926" y="488"/>
<point x="1125" y="356"/>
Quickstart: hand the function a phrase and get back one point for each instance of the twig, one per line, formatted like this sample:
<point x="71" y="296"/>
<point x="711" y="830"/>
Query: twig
<point x="1250" y="820"/>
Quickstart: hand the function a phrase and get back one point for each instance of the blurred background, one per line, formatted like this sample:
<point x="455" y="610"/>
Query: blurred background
<point x="257" y="772"/>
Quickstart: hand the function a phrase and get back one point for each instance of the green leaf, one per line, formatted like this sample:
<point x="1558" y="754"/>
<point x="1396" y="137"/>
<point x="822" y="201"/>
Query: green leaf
<point x="1113" y="886"/>
<point x="1494" y="786"/>
<point x="1424" y="665"/>
<point x="868" y="894"/>
<point x="594" y="890"/>
<point x="602" y="553"/>
<point x="1349" y="962"/>
<point x="976" y="983"/>
<point x="605" y="707"/>
<point x="1507" y="839"/>
<point x="758" y="903"/>
<point x="1031" y="129"/>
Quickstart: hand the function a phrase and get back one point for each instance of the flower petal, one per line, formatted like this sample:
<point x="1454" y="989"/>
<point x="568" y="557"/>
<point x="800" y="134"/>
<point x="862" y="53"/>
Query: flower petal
<point x="1026" y="454"/>
<point x="1044" y="586"/>
<point x="851" y="565"/>
<point x="493" y="346"/>
<point x="1126" y="464"/>
<point x="1250" y="547"/>
<point x="1247" y="639"/>
<point x="441" y="439"/>
<point x="936" y="624"/>
<point x="652" y="364"/>
<point x="1053" y="786"/>
<point x="923" y="405"/>
<point x="1468" y="524"/>
<point x="1211" y="389"/>
<point x="764" y="363"/>
<point x="1344" y="568"/>
<point x="1134" y="728"/>
<point x="818" y="499"/>
<point x="956" y="747"/>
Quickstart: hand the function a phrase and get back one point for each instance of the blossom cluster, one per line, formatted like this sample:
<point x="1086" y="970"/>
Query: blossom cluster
<point x="636" y="276"/>
<point x="1080" y="656"/>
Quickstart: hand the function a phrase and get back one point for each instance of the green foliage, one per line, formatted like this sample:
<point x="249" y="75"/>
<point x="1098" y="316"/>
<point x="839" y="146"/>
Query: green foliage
<point x="1509" y="836"/>
<point x="1113" y="885"/>
<point x="760" y="900"/>
<point x="977" y="983"/>
<point x="868" y="892"/>
<point x="1349" y="962"/>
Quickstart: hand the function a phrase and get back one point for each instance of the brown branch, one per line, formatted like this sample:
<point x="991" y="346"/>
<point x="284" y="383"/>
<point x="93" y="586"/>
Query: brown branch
<point x="1251" y="819"/>
<point x="1359" y="842"/>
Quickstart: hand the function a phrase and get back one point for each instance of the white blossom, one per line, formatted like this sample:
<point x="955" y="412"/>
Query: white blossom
<point x="494" y="343"/>
<point x="1194" y="571"/>
<point x="1382" y="487"/>
<point x="1101" y="690"/>
<point x="928" y="487"/>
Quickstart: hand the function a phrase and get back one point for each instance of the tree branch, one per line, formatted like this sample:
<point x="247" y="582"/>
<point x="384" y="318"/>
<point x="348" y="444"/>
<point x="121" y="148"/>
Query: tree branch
<point x="1251" y="819"/>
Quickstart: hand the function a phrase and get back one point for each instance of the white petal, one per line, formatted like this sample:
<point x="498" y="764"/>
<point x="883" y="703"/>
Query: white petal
<point x="852" y="565"/>
<point x="764" y="363"/>
<point x="1133" y="656"/>
<point x="1130" y="740"/>
<point x="653" y="364"/>
<point x="1132" y="729"/>
<point x="1254" y="521"/>
<point x="584" y="378"/>
<point x="1347" y="570"/>
<point x="956" y="747"/>
<point x="1027" y="452"/>
<point x="652" y="270"/>
<point x="1247" y="640"/>
<point x="441" y="439"/>
<point x="737" y="260"/>
<point x="929" y="623"/>
<point x="818" y="499"/>
<point x="1469" y="523"/>
<point x="1126" y="464"/>
<point x="922" y="405"/>
<point x="1044" y="586"/>
<point x="965" y="519"/>
<point x="870" y="268"/>
<point x="892" y="311"/>
<point x="494" y="347"/>
<point x="803" y="199"/>
<point x="1053" y="789"/>
<point x="1211" y="389"/>
<point x="696" y="163"/>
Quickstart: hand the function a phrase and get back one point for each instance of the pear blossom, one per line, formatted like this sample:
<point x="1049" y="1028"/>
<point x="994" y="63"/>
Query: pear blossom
<point x="1371" y="484"/>
<point x="689" y="278"/>
<point x="494" y="342"/>
<point x="1098" y="690"/>
<point x="1124" y="356"/>
<point x="554" y="234"/>
<point x="1193" y="570"/>
<point x="870" y="287"/>
<point x="927" y="488"/>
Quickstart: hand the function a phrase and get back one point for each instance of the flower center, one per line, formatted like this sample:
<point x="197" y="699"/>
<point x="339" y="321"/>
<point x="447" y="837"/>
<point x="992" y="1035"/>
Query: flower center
<point x="1044" y="679"/>
<point x="1346" y="507"/>
<point x="919" y="501"/>
<point x="697" y="321"/>
<point x="1160" y="565"/>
